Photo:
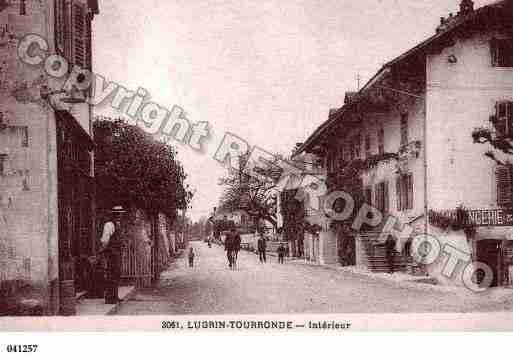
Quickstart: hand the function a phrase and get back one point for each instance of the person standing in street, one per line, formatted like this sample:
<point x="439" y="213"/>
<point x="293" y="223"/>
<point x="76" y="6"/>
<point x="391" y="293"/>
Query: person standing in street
<point x="228" y="247"/>
<point x="236" y="247"/>
<point x="262" y="247"/>
<point x="111" y="242"/>
<point x="191" y="257"/>
<point x="281" y="253"/>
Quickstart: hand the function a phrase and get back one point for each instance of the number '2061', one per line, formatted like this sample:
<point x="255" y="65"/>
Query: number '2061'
<point x="26" y="348"/>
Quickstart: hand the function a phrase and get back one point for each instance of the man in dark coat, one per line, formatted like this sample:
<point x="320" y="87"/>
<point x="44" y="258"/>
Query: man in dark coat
<point x="228" y="247"/>
<point x="111" y="241"/>
<point x="261" y="247"/>
<point x="235" y="246"/>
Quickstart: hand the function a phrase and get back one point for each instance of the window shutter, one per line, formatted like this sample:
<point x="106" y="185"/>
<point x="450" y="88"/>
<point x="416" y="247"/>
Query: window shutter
<point x="398" y="192"/>
<point x="385" y="199"/>
<point x="503" y="180"/>
<point x="79" y="17"/>
<point x="410" y="191"/>
<point x="501" y="113"/>
<point x="494" y="52"/>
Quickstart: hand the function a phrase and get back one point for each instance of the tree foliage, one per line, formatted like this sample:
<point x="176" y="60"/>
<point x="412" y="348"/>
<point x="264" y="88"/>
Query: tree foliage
<point x="133" y="169"/>
<point x="256" y="195"/>
<point x="500" y="141"/>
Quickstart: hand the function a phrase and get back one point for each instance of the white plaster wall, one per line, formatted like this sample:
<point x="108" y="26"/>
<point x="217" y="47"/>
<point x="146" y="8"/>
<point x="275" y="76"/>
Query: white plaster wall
<point x="460" y="97"/>
<point x="387" y="171"/>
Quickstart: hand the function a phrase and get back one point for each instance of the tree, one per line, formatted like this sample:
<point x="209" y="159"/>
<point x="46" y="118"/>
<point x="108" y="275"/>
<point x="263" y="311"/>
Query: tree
<point x="500" y="140"/>
<point x="132" y="168"/>
<point x="255" y="195"/>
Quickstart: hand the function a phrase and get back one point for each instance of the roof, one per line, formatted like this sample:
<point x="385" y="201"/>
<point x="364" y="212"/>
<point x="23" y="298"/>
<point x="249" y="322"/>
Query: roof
<point x="418" y="50"/>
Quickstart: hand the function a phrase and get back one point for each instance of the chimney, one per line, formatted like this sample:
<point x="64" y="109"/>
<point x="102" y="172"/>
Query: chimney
<point x="466" y="7"/>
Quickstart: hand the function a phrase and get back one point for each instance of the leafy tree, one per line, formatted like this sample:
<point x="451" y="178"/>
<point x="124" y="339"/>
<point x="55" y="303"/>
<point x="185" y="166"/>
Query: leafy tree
<point x="132" y="168"/>
<point x="501" y="141"/>
<point x="256" y="195"/>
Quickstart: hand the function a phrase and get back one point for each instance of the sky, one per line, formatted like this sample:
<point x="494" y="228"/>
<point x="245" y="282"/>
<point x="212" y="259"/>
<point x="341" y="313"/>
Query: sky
<point x="266" y="70"/>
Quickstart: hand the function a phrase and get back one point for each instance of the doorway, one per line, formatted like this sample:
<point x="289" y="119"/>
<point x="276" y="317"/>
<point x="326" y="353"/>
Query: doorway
<point x="489" y="251"/>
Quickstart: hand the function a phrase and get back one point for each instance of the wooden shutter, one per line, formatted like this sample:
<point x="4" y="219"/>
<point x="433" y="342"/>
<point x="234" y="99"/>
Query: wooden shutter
<point x="385" y="197"/>
<point x="494" y="53"/>
<point x="79" y="18"/>
<point x="503" y="180"/>
<point x="410" y="191"/>
<point x="398" y="193"/>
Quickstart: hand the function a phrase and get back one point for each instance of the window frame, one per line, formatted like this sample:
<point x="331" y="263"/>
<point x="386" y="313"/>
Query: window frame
<point x="497" y="49"/>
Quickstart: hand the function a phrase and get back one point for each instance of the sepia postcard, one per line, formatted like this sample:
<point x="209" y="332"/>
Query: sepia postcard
<point x="256" y="166"/>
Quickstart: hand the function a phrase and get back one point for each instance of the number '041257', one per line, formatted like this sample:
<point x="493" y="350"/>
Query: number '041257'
<point x="22" y="348"/>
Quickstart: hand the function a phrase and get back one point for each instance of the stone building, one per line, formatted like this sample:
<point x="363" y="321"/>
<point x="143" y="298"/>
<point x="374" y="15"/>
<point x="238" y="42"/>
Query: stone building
<point x="46" y="156"/>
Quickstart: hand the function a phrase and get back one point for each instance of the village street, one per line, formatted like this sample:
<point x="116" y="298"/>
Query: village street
<point x="255" y="288"/>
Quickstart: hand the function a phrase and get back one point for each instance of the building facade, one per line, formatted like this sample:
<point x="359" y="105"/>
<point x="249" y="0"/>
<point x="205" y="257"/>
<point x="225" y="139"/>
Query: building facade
<point x="410" y="129"/>
<point x="46" y="159"/>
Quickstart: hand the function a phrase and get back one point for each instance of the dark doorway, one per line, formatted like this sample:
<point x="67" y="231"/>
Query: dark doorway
<point x="489" y="251"/>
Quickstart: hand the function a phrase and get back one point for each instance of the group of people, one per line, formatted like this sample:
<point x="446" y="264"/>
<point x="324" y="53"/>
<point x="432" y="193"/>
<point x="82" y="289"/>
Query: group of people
<point x="262" y="249"/>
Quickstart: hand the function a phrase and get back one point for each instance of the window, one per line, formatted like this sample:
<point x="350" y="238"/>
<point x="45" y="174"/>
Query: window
<point x="381" y="197"/>
<point x="80" y="26"/>
<point x="3" y="159"/>
<point x="404" y="189"/>
<point x="23" y="7"/>
<point x="381" y="140"/>
<point x="61" y="28"/>
<point x="355" y="147"/>
<point x="503" y="176"/>
<point x="504" y="117"/>
<point x="23" y="133"/>
<point x="367" y="193"/>
<point x="367" y="145"/>
<point x="404" y="129"/>
<point x="502" y="52"/>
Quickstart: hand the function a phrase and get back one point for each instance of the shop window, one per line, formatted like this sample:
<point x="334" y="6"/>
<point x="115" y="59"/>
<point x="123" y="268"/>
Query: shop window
<point x="502" y="52"/>
<point x="404" y="190"/>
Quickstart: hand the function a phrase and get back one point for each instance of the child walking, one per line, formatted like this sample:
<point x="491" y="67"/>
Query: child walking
<point x="191" y="257"/>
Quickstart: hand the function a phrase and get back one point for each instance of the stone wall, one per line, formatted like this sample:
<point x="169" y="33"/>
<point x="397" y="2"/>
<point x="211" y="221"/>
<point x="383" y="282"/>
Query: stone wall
<point x="28" y="208"/>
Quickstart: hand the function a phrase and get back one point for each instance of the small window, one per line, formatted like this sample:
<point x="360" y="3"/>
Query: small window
<point x="381" y="141"/>
<point x="502" y="52"/>
<point x="404" y="129"/>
